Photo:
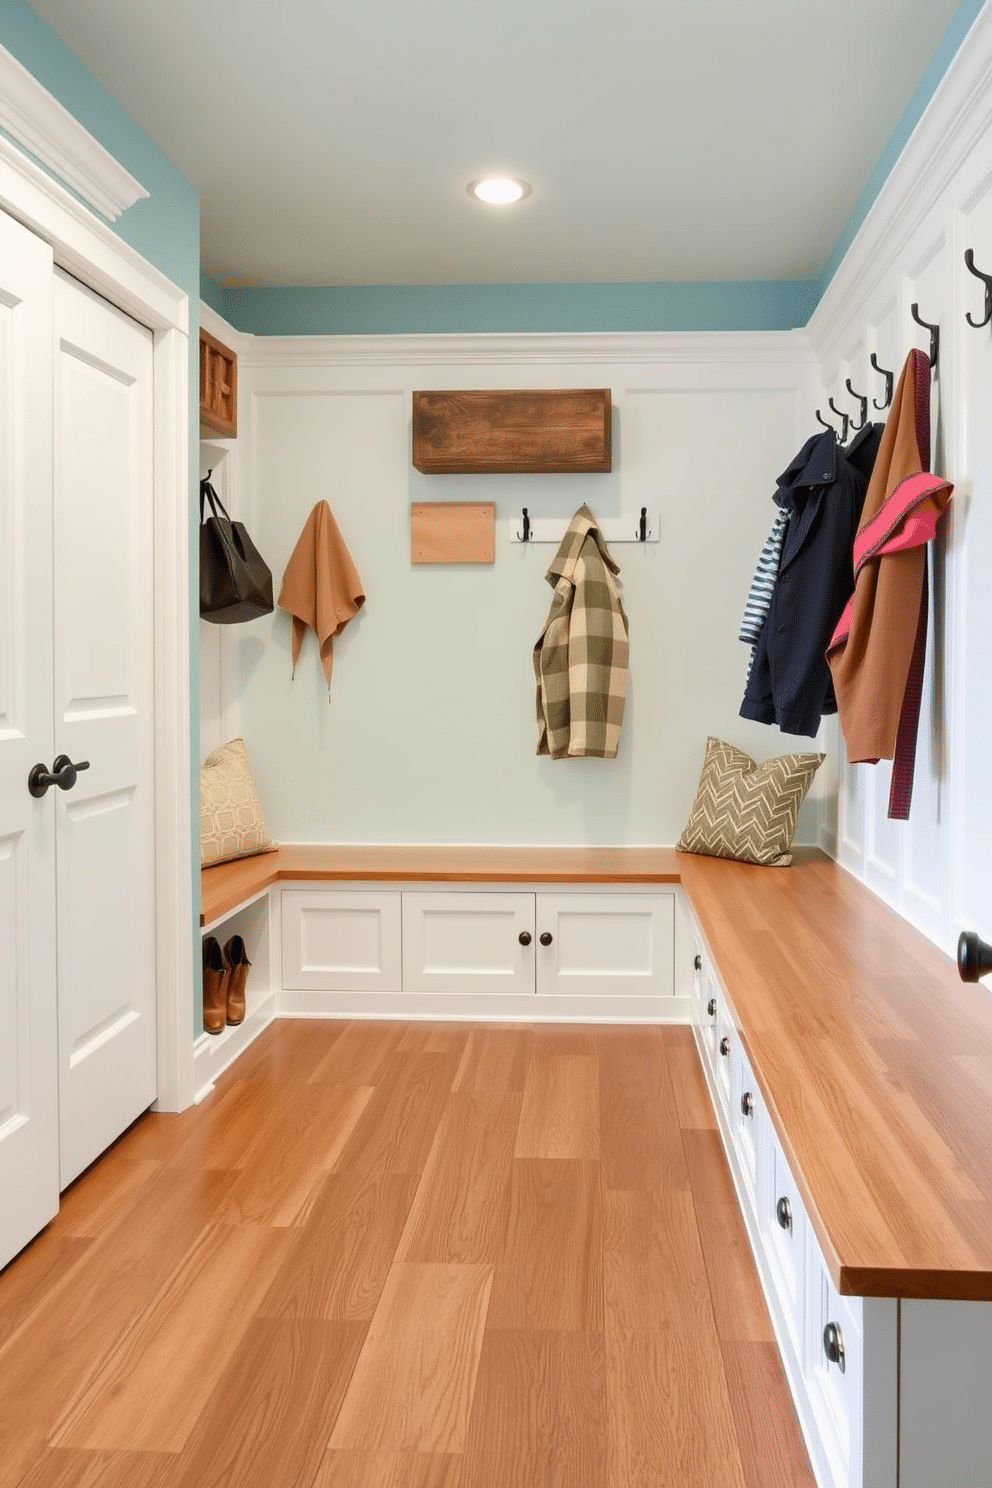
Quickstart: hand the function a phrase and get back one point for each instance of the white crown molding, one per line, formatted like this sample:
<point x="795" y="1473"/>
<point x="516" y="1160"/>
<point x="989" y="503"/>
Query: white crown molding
<point x="85" y="246"/>
<point x="957" y="115"/>
<point x="594" y="348"/>
<point x="38" y="122"/>
<point x="222" y="329"/>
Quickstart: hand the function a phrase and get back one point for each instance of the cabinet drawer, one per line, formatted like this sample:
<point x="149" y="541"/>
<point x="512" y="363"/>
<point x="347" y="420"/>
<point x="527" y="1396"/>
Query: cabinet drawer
<point x="834" y="1386"/>
<point x="340" y="941"/>
<point x="782" y="1229"/>
<point x="746" y="1112"/>
<point x="606" y="945"/>
<point x="468" y="942"/>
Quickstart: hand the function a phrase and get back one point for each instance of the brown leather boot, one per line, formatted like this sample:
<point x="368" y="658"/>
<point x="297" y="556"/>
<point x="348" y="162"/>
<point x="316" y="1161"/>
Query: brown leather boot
<point x="237" y="959"/>
<point x="216" y="974"/>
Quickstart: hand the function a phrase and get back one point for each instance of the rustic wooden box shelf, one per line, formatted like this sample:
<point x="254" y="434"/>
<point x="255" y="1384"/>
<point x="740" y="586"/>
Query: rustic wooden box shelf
<point x="218" y="385"/>
<point x="518" y="430"/>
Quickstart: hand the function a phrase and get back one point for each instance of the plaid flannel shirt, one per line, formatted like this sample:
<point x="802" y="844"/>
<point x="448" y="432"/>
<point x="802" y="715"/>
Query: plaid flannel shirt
<point x="580" y="659"/>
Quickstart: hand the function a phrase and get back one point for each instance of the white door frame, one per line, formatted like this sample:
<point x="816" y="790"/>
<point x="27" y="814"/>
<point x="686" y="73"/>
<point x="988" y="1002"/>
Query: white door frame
<point x="89" y="250"/>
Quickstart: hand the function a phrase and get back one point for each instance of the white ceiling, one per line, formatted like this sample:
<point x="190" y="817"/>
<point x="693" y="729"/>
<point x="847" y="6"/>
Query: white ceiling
<point x="664" y="139"/>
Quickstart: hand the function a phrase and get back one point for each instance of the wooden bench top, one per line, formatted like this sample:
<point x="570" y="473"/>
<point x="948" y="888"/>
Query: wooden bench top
<point x="873" y="1058"/>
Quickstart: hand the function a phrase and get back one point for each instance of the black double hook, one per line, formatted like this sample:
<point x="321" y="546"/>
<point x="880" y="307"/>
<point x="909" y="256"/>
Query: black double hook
<point x="969" y="259"/>
<point x="642" y="527"/>
<point x="525" y="535"/>
<point x="889" y="378"/>
<point x="864" y="406"/>
<point x="841" y="415"/>
<point x="934" y="330"/>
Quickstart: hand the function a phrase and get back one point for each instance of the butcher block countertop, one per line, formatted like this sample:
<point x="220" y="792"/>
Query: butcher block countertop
<point x="873" y="1058"/>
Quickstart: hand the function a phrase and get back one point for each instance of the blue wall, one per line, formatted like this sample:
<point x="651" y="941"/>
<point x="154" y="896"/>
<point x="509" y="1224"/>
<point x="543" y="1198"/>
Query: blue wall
<point x="418" y="309"/>
<point x="165" y="229"/>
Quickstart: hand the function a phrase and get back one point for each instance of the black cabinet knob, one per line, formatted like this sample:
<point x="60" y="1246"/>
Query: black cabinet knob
<point x="833" y="1345"/>
<point x="711" y="1007"/>
<point x="63" y="774"/>
<point x="546" y="938"/>
<point x="725" y="1046"/>
<point x="783" y="1213"/>
<point x="747" y="1104"/>
<point x="525" y="937"/>
<point x="697" y="962"/>
<point x="974" y="956"/>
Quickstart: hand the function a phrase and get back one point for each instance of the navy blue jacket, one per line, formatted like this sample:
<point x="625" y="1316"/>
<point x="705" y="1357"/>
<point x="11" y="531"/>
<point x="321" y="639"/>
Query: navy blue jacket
<point x="823" y="491"/>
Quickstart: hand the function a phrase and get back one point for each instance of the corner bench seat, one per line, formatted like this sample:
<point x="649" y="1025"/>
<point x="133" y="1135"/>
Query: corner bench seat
<point x="873" y="1059"/>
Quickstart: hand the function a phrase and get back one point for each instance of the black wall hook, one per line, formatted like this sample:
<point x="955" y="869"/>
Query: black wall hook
<point x="642" y="527"/>
<point x="525" y="535"/>
<point x="821" y="420"/>
<point x="841" y="415"/>
<point x="934" y="330"/>
<point x="888" y="384"/>
<point x="864" y="406"/>
<point x="969" y="259"/>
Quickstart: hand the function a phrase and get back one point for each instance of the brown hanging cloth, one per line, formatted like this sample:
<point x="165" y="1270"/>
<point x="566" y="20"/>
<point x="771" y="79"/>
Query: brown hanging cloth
<point x="320" y="588"/>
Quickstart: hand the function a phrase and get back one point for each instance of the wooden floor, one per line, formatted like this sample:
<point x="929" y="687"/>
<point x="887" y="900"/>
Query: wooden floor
<point x="385" y="1255"/>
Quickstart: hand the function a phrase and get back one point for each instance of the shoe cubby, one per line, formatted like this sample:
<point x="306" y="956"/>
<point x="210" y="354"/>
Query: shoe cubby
<point x="213" y="1052"/>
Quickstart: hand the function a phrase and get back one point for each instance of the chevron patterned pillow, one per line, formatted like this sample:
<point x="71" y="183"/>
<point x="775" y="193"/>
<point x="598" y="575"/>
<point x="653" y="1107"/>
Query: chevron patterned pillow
<point x="748" y="811"/>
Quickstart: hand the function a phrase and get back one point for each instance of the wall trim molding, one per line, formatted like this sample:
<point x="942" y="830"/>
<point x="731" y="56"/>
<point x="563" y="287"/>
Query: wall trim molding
<point x="539" y="347"/>
<point x="958" y="114"/>
<point x="86" y="247"/>
<point x="38" y="122"/>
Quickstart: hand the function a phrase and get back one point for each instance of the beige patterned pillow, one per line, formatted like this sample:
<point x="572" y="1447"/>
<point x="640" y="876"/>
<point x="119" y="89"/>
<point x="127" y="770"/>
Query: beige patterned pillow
<point x="232" y="823"/>
<point x="748" y="811"/>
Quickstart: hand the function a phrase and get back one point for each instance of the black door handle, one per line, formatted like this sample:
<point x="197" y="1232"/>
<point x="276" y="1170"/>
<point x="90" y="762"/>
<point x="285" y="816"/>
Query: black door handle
<point x="63" y="774"/>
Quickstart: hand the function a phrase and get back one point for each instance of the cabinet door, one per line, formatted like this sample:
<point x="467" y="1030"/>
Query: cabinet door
<point x="29" y="1189"/>
<point x="340" y="940"/>
<point x="468" y="942"/>
<point x="606" y="945"/>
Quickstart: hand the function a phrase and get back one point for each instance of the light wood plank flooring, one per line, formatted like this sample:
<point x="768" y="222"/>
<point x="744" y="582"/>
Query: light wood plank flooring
<point x="385" y="1255"/>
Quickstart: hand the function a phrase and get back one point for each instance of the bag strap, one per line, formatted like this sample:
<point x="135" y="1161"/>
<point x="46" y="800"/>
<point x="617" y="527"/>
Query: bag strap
<point x="207" y="490"/>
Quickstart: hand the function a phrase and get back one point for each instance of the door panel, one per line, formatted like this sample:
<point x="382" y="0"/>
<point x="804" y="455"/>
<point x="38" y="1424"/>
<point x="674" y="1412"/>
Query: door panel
<point x="607" y="944"/>
<point x="468" y="942"/>
<point x="103" y="688"/>
<point x="28" y="1070"/>
<point x="340" y="941"/>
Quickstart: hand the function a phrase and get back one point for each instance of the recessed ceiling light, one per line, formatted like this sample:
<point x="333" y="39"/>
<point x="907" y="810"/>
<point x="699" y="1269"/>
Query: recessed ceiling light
<point x="498" y="191"/>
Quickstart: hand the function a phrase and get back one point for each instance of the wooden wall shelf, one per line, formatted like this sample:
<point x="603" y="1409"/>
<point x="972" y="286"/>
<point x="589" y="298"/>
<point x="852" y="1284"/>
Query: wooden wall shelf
<point x="218" y="385"/>
<point x="514" y="431"/>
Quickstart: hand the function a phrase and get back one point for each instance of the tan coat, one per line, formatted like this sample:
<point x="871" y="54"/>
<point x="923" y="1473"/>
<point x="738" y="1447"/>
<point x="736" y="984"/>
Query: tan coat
<point x="876" y="654"/>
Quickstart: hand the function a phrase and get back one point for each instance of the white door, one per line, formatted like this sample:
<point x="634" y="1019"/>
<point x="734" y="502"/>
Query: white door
<point x="606" y="945"/>
<point x="103" y="690"/>
<point x="29" y="1187"/>
<point x="468" y="942"/>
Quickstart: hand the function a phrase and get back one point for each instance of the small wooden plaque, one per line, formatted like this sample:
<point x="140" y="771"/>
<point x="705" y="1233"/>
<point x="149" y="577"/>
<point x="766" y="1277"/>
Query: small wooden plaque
<point x="517" y="430"/>
<point x="452" y="532"/>
<point x="218" y="385"/>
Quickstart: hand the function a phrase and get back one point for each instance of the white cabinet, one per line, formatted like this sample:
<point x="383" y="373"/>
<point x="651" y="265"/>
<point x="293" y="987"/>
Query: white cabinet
<point x="844" y="1384"/>
<point x="478" y="952"/>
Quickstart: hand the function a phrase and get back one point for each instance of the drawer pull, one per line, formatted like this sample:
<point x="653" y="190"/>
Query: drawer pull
<point x="524" y="937"/>
<point x="725" y="1046"/>
<point x="783" y="1213"/>
<point x="711" y="1007"/>
<point x="747" y="1104"/>
<point x="833" y="1344"/>
<point x="546" y="938"/>
<point x="697" y="962"/>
